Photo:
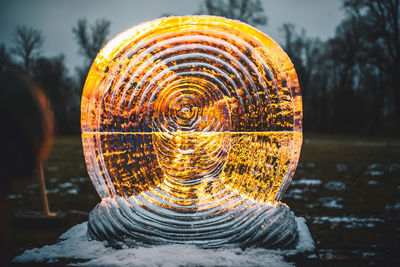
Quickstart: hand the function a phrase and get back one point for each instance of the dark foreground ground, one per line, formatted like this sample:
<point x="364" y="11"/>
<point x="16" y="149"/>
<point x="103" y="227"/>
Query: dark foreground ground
<point x="347" y="188"/>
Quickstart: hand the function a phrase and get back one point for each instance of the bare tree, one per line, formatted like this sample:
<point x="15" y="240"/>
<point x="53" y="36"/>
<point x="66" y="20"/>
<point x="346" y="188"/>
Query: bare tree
<point x="378" y="26"/>
<point x="27" y="43"/>
<point x="248" y="11"/>
<point x="5" y="59"/>
<point x="52" y="75"/>
<point x="307" y="55"/>
<point x="91" y="38"/>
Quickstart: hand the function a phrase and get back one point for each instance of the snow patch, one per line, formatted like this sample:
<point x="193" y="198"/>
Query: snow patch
<point x="307" y="182"/>
<point x="394" y="207"/>
<point x="53" y="191"/>
<point x="74" y="246"/>
<point x="374" y="173"/>
<point x="375" y="166"/>
<point x="65" y="185"/>
<point x="306" y="242"/>
<point x="331" y="202"/>
<point x="72" y="191"/>
<point x="295" y="193"/>
<point x="375" y="169"/>
<point x="79" y="179"/>
<point x="328" y="254"/>
<point x="394" y="167"/>
<point x="14" y="196"/>
<point x="348" y="222"/>
<point x="335" y="185"/>
<point x="341" y="167"/>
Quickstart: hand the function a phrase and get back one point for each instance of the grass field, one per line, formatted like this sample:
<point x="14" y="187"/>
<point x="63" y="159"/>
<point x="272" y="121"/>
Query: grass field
<point x="346" y="187"/>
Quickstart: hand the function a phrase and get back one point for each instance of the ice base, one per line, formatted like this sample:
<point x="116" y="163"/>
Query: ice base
<point x="74" y="248"/>
<point x="123" y="221"/>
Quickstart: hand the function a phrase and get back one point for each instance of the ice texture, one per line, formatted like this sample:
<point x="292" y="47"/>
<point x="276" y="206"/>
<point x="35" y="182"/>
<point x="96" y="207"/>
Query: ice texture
<point x="183" y="116"/>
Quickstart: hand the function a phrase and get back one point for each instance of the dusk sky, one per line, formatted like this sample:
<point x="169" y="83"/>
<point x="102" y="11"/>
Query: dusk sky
<point x="55" y="18"/>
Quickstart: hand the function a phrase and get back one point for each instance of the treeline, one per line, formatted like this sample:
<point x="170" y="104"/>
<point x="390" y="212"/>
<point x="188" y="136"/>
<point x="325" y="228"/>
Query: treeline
<point x="350" y="83"/>
<point x="50" y="74"/>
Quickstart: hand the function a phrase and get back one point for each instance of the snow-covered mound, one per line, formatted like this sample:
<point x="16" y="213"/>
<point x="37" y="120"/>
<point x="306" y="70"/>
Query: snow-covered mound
<point x="74" y="247"/>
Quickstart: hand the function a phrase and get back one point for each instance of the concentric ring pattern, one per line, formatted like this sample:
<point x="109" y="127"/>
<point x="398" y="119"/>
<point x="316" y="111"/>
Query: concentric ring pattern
<point x="194" y="125"/>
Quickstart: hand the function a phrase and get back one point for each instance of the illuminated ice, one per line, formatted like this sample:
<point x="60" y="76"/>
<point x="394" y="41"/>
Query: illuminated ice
<point x="191" y="128"/>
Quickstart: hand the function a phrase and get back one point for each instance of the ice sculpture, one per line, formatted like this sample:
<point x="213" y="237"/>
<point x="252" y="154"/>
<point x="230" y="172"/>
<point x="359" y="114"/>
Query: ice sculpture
<point x="191" y="128"/>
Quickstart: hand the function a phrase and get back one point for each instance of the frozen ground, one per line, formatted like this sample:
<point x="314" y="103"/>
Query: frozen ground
<point x="74" y="248"/>
<point x="347" y="189"/>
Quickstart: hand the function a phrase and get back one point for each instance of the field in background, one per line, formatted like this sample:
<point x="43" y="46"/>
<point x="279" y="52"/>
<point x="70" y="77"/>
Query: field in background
<point x="347" y="188"/>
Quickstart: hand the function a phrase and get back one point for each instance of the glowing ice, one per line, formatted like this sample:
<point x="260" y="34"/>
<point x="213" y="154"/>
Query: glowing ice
<point x="191" y="128"/>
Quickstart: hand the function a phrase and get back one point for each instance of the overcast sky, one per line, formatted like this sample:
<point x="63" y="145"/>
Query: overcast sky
<point x="55" y="18"/>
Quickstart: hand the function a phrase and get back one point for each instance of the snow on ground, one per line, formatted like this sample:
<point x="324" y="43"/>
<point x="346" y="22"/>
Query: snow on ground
<point x="74" y="247"/>
<point x="331" y="254"/>
<point x="62" y="188"/>
<point x="79" y="179"/>
<point x="375" y="169"/>
<point x="306" y="242"/>
<point x="341" y="167"/>
<point x="295" y="193"/>
<point x="307" y="182"/>
<point x="374" y="173"/>
<point x="347" y="222"/>
<point x="14" y="196"/>
<point x="394" y="207"/>
<point x="394" y="167"/>
<point x="65" y="185"/>
<point x="53" y="191"/>
<point x="72" y="191"/>
<point x="335" y="185"/>
<point x="331" y="202"/>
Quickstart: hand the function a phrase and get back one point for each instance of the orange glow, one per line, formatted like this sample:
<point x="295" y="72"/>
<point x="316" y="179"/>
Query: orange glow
<point x="192" y="110"/>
